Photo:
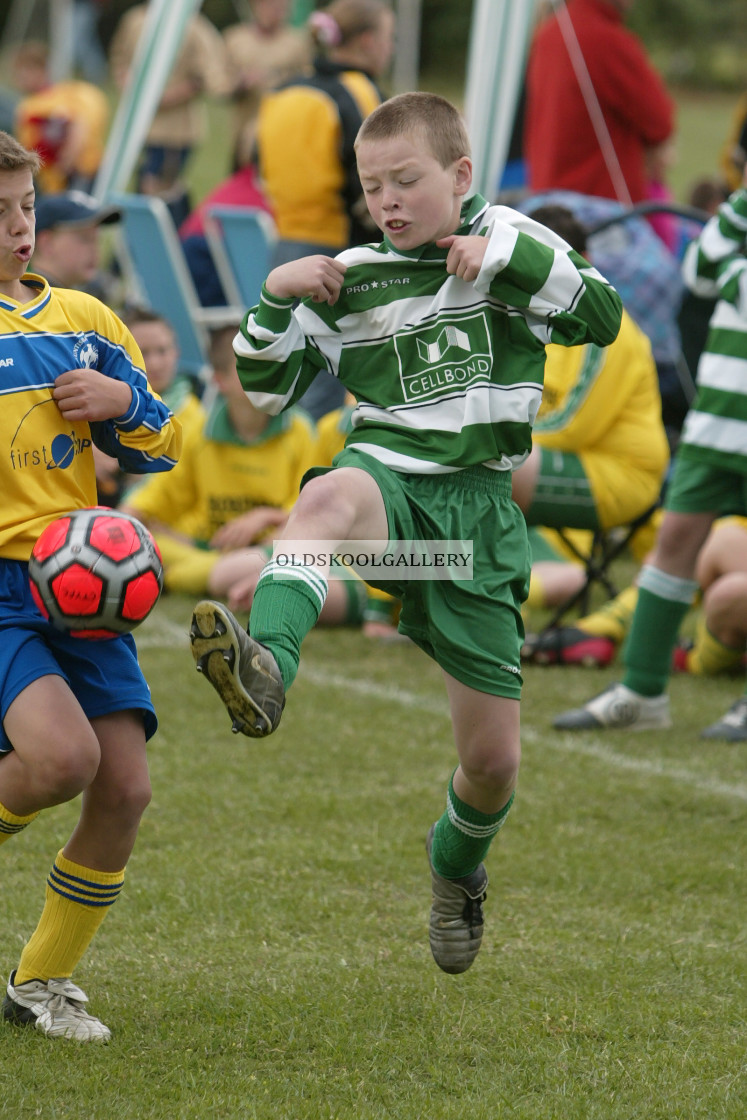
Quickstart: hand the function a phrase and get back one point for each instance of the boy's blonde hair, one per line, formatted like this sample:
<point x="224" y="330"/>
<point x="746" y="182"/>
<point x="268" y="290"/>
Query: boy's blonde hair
<point x="432" y="117"/>
<point x="14" y="157"/>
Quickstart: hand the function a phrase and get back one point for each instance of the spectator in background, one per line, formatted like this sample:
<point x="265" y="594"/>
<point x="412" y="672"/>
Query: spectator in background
<point x="734" y="151"/>
<point x="68" y="255"/>
<point x="262" y="52"/>
<point x="89" y="54"/>
<point x="305" y="135"/>
<point x="647" y="277"/>
<point x="179" y="125"/>
<point x="65" y="122"/>
<point x="239" y="474"/>
<point x="68" y="241"/>
<point x="600" y="451"/>
<point x="709" y="480"/>
<point x="583" y="60"/>
<point x="307" y="127"/>
<point x="159" y="347"/>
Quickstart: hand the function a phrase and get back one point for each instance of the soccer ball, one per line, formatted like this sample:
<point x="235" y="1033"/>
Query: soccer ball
<point x="96" y="573"/>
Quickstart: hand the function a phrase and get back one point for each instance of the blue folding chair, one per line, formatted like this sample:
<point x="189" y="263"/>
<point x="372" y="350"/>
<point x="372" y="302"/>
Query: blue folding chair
<point x="241" y="240"/>
<point x="157" y="274"/>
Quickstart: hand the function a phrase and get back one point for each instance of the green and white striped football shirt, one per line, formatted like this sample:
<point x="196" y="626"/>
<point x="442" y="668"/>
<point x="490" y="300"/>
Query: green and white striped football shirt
<point x="447" y="374"/>
<point x="715" y="429"/>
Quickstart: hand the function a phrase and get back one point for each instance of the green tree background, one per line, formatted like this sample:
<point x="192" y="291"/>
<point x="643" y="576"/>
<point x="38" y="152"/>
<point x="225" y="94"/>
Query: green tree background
<point x="695" y="43"/>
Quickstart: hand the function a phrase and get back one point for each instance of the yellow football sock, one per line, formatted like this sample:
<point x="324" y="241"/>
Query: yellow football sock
<point x="536" y="597"/>
<point x="613" y="618"/>
<point x="77" y="901"/>
<point x="10" y="823"/>
<point x="709" y="655"/>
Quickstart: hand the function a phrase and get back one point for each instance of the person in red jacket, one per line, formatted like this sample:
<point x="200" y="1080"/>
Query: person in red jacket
<point x="596" y="109"/>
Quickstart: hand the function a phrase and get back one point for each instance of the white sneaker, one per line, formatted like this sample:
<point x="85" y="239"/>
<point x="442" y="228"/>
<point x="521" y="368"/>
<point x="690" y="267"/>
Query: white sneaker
<point x="618" y="706"/>
<point x="732" y="727"/>
<point x="54" y="1007"/>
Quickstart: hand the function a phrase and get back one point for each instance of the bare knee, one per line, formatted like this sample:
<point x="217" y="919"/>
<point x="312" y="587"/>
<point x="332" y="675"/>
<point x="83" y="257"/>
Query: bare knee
<point x="122" y="803"/>
<point x="131" y="800"/>
<point x="344" y="502"/>
<point x="323" y="500"/>
<point x="725" y="606"/>
<point x="493" y="769"/>
<point x="65" y="769"/>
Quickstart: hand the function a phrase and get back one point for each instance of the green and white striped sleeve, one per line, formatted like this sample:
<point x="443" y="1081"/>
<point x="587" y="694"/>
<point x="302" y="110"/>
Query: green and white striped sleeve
<point x="713" y="258"/>
<point x="564" y="298"/>
<point x="276" y="360"/>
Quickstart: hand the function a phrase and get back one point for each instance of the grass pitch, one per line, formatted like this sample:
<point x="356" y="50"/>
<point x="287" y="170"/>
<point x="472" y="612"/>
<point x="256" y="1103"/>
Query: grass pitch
<point x="269" y="956"/>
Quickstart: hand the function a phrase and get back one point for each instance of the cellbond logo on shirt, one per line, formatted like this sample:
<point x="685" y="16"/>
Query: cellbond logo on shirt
<point x="452" y="353"/>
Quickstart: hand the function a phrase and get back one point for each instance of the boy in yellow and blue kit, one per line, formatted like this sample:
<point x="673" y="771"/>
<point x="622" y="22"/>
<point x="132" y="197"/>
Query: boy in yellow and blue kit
<point x="75" y="714"/>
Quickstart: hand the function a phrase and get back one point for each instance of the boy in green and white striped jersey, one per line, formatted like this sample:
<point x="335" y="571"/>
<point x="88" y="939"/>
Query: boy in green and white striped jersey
<point x="440" y="334"/>
<point x="709" y="481"/>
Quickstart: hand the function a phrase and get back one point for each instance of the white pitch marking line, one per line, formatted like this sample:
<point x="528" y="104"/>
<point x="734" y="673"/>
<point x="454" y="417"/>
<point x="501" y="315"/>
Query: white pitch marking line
<point x="588" y="749"/>
<point x="168" y="635"/>
<point x="164" y="634"/>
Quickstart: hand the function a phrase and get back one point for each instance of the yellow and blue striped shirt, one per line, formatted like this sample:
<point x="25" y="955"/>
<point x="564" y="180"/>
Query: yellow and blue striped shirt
<point x="48" y="466"/>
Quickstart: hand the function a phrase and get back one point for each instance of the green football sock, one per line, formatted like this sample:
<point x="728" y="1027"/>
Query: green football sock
<point x="463" y="835"/>
<point x="663" y="602"/>
<point x="286" y="605"/>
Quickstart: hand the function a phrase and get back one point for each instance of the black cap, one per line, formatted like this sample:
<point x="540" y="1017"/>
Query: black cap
<point x="73" y="210"/>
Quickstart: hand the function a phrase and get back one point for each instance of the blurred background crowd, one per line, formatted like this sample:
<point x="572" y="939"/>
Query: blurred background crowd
<point x="629" y="116"/>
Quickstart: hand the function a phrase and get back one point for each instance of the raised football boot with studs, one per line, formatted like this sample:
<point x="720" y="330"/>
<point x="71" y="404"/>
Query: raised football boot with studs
<point x="732" y="727"/>
<point x="456" y="922"/>
<point x="618" y="706"/>
<point x="243" y="672"/>
<point x="55" y="1007"/>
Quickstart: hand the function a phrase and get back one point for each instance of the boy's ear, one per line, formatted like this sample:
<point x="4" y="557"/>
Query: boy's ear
<point x="463" y="175"/>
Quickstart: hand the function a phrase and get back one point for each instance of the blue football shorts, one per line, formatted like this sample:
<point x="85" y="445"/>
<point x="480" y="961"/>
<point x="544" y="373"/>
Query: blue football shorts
<point x="104" y="676"/>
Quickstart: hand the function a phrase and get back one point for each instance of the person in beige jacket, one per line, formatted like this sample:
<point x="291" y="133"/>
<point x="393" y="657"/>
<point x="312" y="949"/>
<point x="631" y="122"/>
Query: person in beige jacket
<point x="262" y="51"/>
<point x="179" y="125"/>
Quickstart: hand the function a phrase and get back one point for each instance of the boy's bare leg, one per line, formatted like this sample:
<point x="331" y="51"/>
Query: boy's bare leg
<point x="56" y="753"/>
<point x="486" y="731"/>
<point x="109" y="755"/>
<point x="251" y="672"/>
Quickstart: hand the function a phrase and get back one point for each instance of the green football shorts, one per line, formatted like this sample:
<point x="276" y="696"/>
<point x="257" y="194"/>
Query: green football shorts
<point x="563" y="494"/>
<point x="700" y="487"/>
<point x="472" y="628"/>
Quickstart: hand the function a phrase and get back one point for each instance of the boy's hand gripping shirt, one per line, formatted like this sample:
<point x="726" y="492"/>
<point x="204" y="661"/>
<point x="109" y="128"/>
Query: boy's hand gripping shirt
<point x="447" y="374"/>
<point x="47" y="464"/>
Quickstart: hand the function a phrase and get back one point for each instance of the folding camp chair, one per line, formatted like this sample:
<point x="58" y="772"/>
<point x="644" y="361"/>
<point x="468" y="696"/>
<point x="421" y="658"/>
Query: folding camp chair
<point x="606" y="547"/>
<point x="157" y="274"/>
<point x="241" y="240"/>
